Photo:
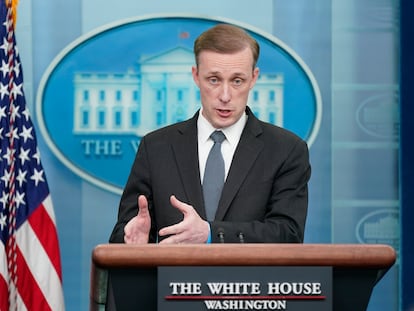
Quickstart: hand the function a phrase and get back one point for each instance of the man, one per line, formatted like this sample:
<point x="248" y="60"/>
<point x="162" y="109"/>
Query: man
<point x="265" y="194"/>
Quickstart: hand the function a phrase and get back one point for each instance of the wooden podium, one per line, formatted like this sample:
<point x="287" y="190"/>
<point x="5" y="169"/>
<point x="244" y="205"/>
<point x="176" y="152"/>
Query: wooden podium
<point x="124" y="277"/>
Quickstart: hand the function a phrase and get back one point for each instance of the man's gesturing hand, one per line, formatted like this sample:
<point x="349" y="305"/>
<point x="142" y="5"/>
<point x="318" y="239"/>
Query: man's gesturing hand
<point x="138" y="228"/>
<point x="193" y="229"/>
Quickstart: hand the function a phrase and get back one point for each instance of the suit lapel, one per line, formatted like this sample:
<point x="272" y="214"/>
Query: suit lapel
<point x="245" y="155"/>
<point x="185" y="148"/>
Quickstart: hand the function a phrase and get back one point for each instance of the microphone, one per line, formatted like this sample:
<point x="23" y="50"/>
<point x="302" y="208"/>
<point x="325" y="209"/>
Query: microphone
<point x="241" y="237"/>
<point x="220" y="235"/>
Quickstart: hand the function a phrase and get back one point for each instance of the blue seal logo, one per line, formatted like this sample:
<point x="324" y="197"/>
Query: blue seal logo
<point x="379" y="227"/>
<point x="378" y="116"/>
<point x="110" y="87"/>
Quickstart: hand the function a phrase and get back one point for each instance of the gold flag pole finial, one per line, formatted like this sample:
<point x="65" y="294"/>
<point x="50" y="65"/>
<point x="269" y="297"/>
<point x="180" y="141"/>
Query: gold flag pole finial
<point x="13" y="5"/>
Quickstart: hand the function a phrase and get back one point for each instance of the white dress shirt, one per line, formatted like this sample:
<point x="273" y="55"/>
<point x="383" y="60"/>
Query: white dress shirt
<point x="228" y="146"/>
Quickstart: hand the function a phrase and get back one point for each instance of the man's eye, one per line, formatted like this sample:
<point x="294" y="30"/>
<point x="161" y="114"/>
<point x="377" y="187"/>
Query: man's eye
<point x="237" y="81"/>
<point x="213" y="80"/>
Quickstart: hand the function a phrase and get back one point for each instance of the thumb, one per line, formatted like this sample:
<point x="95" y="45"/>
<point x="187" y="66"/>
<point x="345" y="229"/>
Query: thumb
<point x="181" y="206"/>
<point x="142" y="204"/>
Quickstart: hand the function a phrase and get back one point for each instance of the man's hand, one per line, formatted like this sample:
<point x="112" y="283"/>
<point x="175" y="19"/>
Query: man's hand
<point x="138" y="228"/>
<point x="193" y="229"/>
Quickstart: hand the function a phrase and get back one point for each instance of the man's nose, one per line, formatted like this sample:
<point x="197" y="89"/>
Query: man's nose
<point x="225" y="93"/>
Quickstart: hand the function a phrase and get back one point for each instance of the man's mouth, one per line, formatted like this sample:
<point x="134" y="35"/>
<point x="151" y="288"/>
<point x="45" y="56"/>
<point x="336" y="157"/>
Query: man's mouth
<point x="223" y="112"/>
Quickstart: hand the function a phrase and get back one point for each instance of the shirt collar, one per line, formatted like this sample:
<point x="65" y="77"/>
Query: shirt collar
<point x="232" y="132"/>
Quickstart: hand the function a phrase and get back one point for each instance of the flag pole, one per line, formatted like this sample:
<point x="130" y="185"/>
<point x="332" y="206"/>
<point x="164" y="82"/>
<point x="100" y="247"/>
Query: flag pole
<point x="11" y="247"/>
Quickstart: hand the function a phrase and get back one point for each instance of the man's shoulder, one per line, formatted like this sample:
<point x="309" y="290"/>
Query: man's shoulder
<point x="273" y="132"/>
<point x="268" y="130"/>
<point x="171" y="130"/>
<point x="278" y="131"/>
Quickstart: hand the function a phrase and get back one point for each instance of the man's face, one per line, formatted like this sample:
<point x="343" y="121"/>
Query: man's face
<point x="224" y="81"/>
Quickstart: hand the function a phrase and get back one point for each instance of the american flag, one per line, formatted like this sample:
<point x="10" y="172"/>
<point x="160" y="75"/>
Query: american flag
<point x="30" y="268"/>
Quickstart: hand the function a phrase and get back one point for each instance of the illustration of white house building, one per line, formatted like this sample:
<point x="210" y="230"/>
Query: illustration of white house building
<point x="384" y="228"/>
<point x="158" y="92"/>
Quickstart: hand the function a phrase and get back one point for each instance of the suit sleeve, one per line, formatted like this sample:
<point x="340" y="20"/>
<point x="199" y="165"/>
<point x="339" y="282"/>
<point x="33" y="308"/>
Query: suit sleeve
<point x="138" y="183"/>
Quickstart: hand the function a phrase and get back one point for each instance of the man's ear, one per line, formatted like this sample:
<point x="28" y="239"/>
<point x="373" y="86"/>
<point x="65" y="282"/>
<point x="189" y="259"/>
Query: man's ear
<point x="256" y="73"/>
<point x="194" y="71"/>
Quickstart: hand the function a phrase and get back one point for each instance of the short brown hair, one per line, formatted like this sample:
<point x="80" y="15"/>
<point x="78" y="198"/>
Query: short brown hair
<point x="227" y="39"/>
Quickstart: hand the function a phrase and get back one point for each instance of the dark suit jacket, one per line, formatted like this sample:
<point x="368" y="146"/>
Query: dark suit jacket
<point x="265" y="195"/>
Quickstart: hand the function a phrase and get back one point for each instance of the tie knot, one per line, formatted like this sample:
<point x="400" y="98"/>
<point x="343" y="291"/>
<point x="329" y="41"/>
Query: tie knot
<point x="218" y="137"/>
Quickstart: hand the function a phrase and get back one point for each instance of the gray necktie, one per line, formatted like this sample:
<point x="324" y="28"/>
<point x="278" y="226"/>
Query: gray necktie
<point x="213" y="176"/>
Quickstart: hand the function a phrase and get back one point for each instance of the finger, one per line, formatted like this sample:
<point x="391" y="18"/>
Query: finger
<point x="170" y="230"/>
<point x="142" y="205"/>
<point x="128" y="229"/>
<point x="128" y="239"/>
<point x="170" y="240"/>
<point x="128" y="236"/>
<point x="181" y="206"/>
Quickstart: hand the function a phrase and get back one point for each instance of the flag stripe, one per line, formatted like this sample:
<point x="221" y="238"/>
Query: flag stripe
<point x="20" y="304"/>
<point x="4" y="294"/>
<point x="27" y="286"/>
<point x="45" y="230"/>
<point x="47" y="203"/>
<point x="4" y="301"/>
<point x="38" y="261"/>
